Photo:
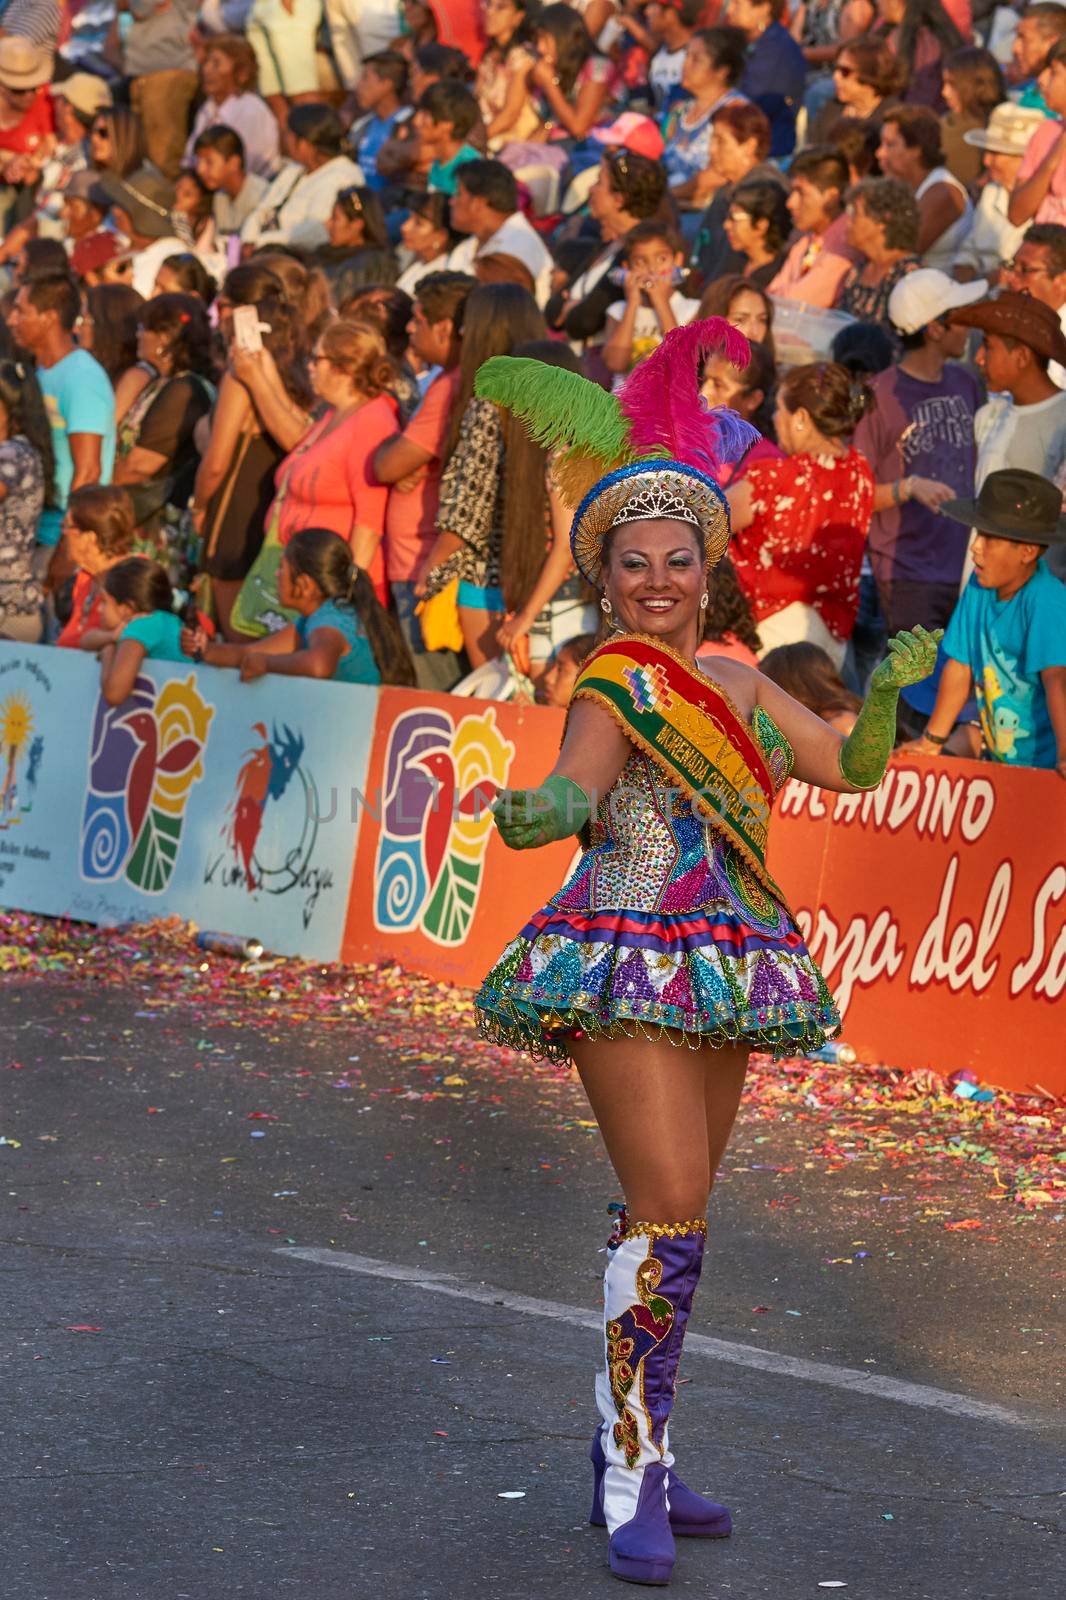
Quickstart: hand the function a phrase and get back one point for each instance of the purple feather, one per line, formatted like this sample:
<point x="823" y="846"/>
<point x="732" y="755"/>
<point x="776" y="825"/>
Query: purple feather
<point x="666" y="412"/>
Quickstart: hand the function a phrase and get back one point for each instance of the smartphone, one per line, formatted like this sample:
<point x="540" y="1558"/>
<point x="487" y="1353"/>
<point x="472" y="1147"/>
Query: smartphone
<point x="246" y="334"/>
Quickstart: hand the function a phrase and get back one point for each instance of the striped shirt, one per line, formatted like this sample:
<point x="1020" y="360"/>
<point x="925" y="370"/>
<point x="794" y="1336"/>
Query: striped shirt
<point x="36" y="20"/>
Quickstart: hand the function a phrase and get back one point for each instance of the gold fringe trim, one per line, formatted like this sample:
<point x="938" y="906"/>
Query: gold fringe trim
<point x="666" y="1230"/>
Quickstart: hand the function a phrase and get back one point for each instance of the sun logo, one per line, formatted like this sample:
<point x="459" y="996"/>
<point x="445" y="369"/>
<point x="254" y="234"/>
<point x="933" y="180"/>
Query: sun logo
<point x="17" y="741"/>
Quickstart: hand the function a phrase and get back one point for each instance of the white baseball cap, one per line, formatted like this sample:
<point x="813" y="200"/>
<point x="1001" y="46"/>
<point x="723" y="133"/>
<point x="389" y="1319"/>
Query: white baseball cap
<point x="923" y="296"/>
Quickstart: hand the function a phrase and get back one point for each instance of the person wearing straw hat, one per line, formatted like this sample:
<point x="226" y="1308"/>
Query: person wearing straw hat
<point x="25" y="121"/>
<point x="993" y="237"/>
<point x="1007" y="638"/>
<point x="670" y="931"/>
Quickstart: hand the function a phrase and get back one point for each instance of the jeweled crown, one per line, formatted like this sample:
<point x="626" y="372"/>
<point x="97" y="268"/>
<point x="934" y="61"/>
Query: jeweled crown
<point x="656" y="500"/>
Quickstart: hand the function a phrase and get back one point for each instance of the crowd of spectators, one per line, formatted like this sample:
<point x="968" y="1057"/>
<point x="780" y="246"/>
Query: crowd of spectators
<point x="254" y="252"/>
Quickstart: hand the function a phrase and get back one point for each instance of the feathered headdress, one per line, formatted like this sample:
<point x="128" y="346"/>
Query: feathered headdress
<point x="657" y="420"/>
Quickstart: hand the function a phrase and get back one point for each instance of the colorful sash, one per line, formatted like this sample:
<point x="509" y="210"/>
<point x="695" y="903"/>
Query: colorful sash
<point x="690" y="728"/>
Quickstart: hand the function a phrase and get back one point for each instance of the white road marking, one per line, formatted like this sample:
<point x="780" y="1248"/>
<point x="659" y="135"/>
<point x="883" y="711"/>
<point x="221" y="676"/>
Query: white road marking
<point x="871" y="1385"/>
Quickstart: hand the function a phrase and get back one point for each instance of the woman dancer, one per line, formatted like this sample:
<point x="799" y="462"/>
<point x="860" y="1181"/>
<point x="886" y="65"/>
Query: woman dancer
<point x="670" y="931"/>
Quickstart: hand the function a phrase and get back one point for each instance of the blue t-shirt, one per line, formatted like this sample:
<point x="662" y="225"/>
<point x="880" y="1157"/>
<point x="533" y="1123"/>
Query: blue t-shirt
<point x="775" y="76"/>
<point x="159" y="632"/>
<point x="79" y="399"/>
<point x="1007" y="644"/>
<point x="358" y="664"/>
<point x="372" y="135"/>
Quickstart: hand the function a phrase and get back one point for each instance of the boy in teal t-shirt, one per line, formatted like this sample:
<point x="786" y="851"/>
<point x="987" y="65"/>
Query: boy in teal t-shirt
<point x="1006" y="641"/>
<point x="446" y="113"/>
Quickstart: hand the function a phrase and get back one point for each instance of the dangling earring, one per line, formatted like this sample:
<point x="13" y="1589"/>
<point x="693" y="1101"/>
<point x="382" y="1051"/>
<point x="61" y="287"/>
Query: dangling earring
<point x="705" y="601"/>
<point x="605" y="606"/>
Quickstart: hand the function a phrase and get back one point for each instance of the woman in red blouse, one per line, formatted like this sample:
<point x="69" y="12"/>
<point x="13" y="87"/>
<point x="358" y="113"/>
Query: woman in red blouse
<point x="328" y="479"/>
<point x="800" y="524"/>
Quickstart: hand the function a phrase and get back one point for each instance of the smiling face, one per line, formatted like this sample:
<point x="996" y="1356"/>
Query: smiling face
<point x="654" y="579"/>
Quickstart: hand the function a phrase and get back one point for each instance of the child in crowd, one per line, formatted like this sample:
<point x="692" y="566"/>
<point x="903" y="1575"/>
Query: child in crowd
<point x="1007" y="638"/>
<point x="806" y="672"/>
<point x="654" y="258"/>
<point x="557" y="684"/>
<point x="137" y="608"/>
<point x="341" y="629"/>
<point x="99" y="530"/>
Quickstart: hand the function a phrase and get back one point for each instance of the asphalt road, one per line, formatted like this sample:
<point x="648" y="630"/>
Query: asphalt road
<point x="191" y="1410"/>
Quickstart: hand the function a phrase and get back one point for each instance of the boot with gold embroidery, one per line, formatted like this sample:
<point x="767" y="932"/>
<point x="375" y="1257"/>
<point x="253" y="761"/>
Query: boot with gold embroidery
<point x="651" y="1276"/>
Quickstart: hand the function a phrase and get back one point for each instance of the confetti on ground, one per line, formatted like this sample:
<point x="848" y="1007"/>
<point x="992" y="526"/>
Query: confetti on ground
<point x="948" y="1153"/>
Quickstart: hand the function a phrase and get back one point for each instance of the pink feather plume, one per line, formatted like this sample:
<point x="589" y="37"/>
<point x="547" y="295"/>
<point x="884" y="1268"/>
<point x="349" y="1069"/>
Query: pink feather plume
<point x="666" y="412"/>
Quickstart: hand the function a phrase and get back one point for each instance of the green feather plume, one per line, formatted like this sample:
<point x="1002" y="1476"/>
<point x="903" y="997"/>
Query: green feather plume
<point x="562" y="410"/>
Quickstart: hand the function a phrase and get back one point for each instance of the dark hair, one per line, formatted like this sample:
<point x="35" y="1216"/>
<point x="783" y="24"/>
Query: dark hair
<point x="578" y="648"/>
<point x="386" y="308"/>
<point x="451" y="102"/>
<point x="689" y="12"/>
<point x="434" y="207"/>
<point x="43" y="255"/>
<point x="919" y="128"/>
<point x="105" y="510"/>
<point x="760" y="373"/>
<point x="359" y="202"/>
<point x="931" y="16"/>
<point x="191" y="274"/>
<point x="391" y="68"/>
<point x="835" y="400"/>
<point x="719" y="296"/>
<point x="237" y="50"/>
<point x="1052" y="237"/>
<point x="326" y="559"/>
<point x="639" y="182"/>
<point x="644" y="232"/>
<point x="192" y="221"/>
<point x="824" y="166"/>
<point x="496" y="317"/>
<point x="1051" y="16"/>
<point x="890" y="202"/>
<point x="320" y="125"/>
<point x="492" y="182"/>
<point x="126" y="137"/>
<point x="978" y="80"/>
<point x="765" y="201"/>
<point x="745" y="121"/>
<point x="523" y="33"/>
<point x="58" y="292"/>
<point x="21" y="398"/>
<point x="865" y="348"/>
<point x="182" y="319"/>
<point x="226" y="140"/>
<point x="876" y="64"/>
<point x="857" y="141"/>
<point x="443" y="62"/>
<point x="444" y="295"/>
<point x="806" y="672"/>
<point x="139" y="583"/>
<point x="727" y="48"/>
<point x="255" y="284"/>
<point x="115" y="309"/>
<point x="728" y="608"/>
<point x="525" y="486"/>
<point x="573" y="43"/>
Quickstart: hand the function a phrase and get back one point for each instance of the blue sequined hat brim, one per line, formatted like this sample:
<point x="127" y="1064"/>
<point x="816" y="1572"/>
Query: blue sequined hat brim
<point x="643" y="490"/>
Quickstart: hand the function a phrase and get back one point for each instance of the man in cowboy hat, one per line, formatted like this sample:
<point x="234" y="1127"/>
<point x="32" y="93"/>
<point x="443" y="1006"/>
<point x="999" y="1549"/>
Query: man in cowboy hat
<point x="1039" y="269"/>
<point x="1007" y="639"/>
<point x="140" y="210"/>
<point x="993" y="237"/>
<point x="1023" y="422"/>
<point x="25" y="118"/>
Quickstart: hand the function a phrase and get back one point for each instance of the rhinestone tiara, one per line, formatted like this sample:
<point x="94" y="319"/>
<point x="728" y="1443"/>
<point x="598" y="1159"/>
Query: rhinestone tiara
<point x="655" y="501"/>
<point x="646" y="490"/>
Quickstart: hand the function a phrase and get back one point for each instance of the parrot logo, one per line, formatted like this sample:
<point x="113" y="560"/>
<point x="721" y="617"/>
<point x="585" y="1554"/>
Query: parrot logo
<point x="265" y="774"/>
<point x="440" y="777"/>
<point x="145" y="757"/>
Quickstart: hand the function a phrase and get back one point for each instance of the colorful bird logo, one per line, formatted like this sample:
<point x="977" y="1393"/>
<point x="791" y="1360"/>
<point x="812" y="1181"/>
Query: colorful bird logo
<point x="265" y="775"/>
<point x="145" y="756"/>
<point x="439" y="779"/>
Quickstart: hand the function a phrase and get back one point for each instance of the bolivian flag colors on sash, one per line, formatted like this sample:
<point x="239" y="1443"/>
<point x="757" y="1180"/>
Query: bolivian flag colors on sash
<point x="691" y="729"/>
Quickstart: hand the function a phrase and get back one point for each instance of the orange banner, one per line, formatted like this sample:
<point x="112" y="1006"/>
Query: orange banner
<point x="936" y="905"/>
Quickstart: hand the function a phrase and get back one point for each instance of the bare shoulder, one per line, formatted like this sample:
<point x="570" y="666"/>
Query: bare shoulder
<point x="741" y="683"/>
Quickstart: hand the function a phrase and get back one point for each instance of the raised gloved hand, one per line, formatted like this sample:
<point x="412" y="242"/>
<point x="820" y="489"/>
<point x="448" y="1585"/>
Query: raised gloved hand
<point x="911" y="657"/>
<point x="528" y="818"/>
<point x="865" y="752"/>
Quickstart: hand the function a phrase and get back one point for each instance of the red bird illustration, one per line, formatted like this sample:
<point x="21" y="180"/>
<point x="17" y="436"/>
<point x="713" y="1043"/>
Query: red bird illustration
<point x="253" y="784"/>
<point x="440" y="766"/>
<point x="147" y="762"/>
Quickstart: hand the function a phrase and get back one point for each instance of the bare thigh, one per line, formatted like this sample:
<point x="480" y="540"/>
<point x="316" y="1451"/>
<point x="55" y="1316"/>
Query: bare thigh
<point x="479" y="633"/>
<point x="665" y="1113"/>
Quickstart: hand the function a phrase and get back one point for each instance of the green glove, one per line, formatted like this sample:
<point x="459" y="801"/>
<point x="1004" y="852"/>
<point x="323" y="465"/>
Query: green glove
<point x="528" y="818"/>
<point x="865" y="752"/>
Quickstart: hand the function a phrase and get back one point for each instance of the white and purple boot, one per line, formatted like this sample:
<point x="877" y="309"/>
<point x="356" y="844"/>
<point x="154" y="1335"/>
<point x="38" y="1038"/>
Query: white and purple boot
<point x="651" y="1276"/>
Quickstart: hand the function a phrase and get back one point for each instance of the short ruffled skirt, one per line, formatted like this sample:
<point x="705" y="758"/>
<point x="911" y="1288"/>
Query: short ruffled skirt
<point x="735" y="969"/>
